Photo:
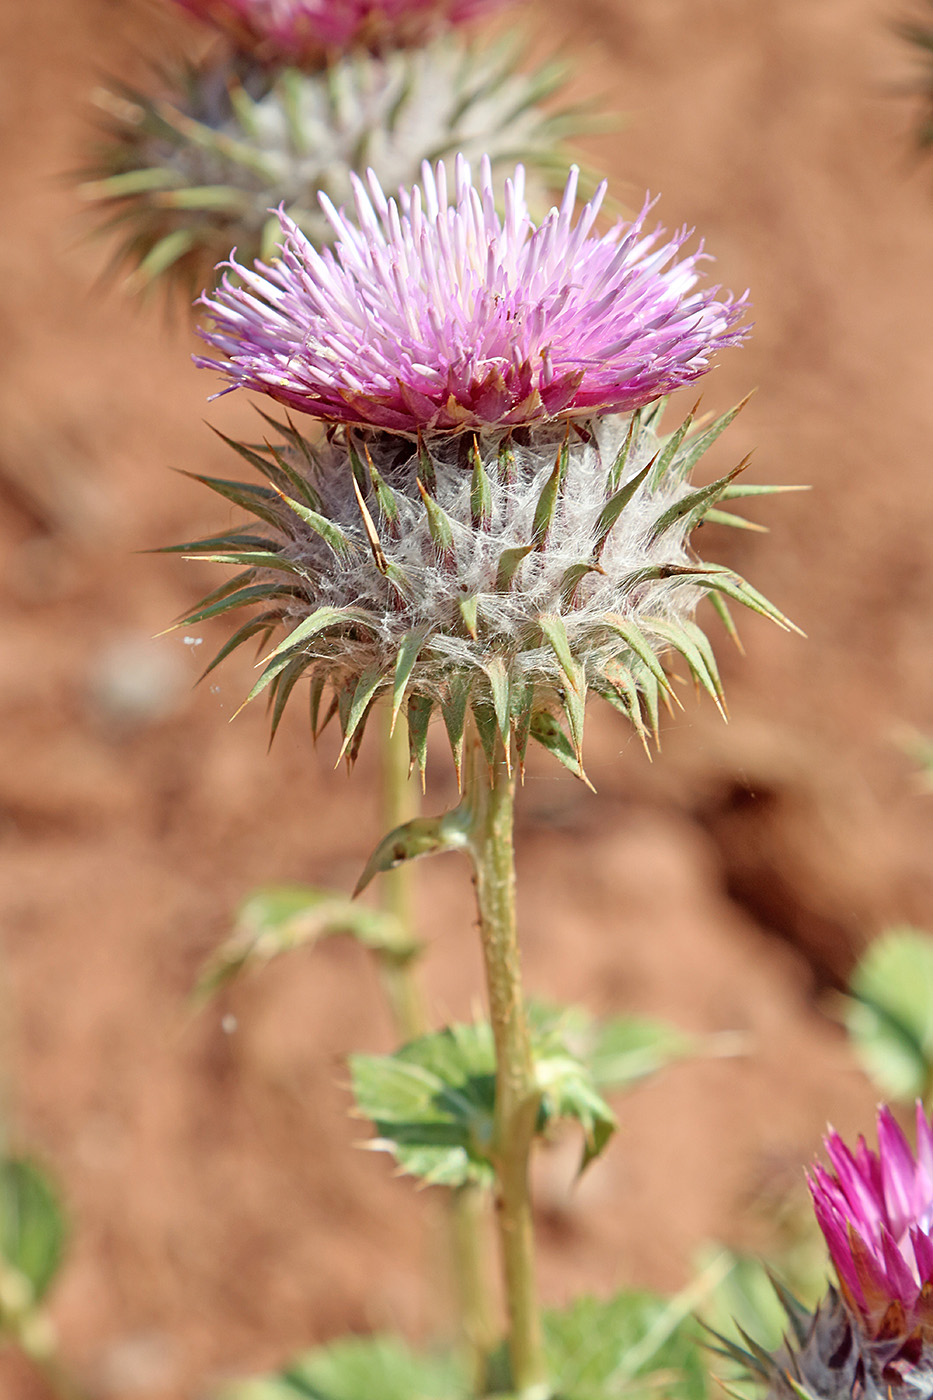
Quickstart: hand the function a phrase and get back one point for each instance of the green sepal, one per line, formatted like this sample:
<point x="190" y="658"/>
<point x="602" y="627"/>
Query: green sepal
<point x="301" y="445"/>
<point x="294" y="478"/>
<point x="799" y="1317"/>
<point x="315" y="695"/>
<point x="422" y="836"/>
<point x="635" y="639"/>
<point x="574" y="699"/>
<point x="161" y="256"/>
<point x="509" y="560"/>
<point x="487" y="727"/>
<point x="224" y="199"/>
<point x="230" y="540"/>
<point x="252" y="559"/>
<point x="615" y="506"/>
<point x="523" y="699"/>
<point x="418" y="712"/>
<point x="369" y="529"/>
<point x="131" y="182"/>
<point x="686" y="638"/>
<point x="277" y="919"/>
<point x="721" y="609"/>
<point x="357" y="465"/>
<point x="480" y="492"/>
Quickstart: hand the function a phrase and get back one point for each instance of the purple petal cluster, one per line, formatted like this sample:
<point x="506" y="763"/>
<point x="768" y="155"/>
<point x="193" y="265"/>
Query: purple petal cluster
<point x="296" y="30"/>
<point x="434" y="312"/>
<point x="876" y="1211"/>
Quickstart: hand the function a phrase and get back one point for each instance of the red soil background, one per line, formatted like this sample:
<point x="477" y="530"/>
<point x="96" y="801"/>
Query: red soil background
<point x="221" y="1217"/>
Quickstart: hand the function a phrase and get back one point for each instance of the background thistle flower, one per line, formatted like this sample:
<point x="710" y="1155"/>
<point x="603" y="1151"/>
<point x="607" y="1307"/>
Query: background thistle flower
<point x="296" y="31"/>
<point x="195" y="169"/>
<point x="509" y="568"/>
<point x="872" y="1336"/>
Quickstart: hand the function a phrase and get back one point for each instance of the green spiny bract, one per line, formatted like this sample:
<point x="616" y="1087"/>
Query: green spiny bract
<point x="505" y="573"/>
<point x="827" y="1355"/>
<point x="184" y="177"/>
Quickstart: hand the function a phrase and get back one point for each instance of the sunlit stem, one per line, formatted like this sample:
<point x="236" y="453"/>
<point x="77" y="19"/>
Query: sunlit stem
<point x="490" y="796"/>
<point x="399" y="974"/>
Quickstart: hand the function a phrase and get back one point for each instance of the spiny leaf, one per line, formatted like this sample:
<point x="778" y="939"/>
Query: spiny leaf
<point x="332" y="535"/>
<point x="163" y="255"/>
<point x="547" y="501"/>
<point x="438" y="524"/>
<point x="721" y="608"/>
<point x="636" y="640"/>
<point x="419" y="717"/>
<point x="285" y="684"/>
<point x="740" y="591"/>
<point x="453" y="710"/>
<point x="615" y="506"/>
<point x="257" y="593"/>
<point x="688" y="459"/>
<point x="369" y="527"/>
<point x="554" y="631"/>
<point x="695" y="504"/>
<point x="264" y="623"/>
<point x="407" y="655"/>
<point x="366" y="688"/>
<point x="427" y="477"/>
<point x="423" y="836"/>
<point x="487" y="727"/>
<point x="572" y="578"/>
<point x="733" y="521"/>
<point x="799" y="1317"/>
<point x="321" y="619"/>
<point x="360" y="474"/>
<point x="497" y="674"/>
<point x="669" y="449"/>
<point x="252" y="559"/>
<point x="318" y="682"/>
<point x="509" y="561"/>
<point x="683" y="638"/>
<point x="617" y="469"/>
<point x="480" y="492"/>
<point x="523" y="697"/>
<point x="469" y="612"/>
<point x="233" y="539"/>
<point x="388" y="502"/>
<point x="258" y="500"/>
<point x="547" y="732"/>
<point x="295" y="478"/>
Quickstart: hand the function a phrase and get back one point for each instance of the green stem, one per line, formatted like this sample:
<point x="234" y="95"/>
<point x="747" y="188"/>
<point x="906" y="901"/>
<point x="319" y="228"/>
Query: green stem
<point x="491" y="799"/>
<point x="400" y="804"/>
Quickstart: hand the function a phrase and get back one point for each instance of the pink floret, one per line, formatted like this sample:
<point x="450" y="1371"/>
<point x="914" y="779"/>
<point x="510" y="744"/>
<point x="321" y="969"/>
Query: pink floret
<point x="435" y="312"/>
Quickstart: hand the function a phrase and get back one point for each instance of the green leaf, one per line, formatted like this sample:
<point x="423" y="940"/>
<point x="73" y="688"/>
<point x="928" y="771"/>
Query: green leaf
<point x="626" y="1049"/>
<point x="509" y="561"/>
<point x="358" y="1368"/>
<point x="635" y="1345"/>
<point x="277" y="919"/>
<point x="547" y="501"/>
<point x="615" y="506"/>
<point x="669" y="449"/>
<point x="319" y="621"/>
<point x="32" y="1224"/>
<point x="260" y="501"/>
<point x="695" y="504"/>
<point x="422" y="836"/>
<point x="890" y="1012"/>
<point x="432" y="1104"/>
<point x="546" y="731"/>
<point x="697" y="446"/>
<point x="568" y="1091"/>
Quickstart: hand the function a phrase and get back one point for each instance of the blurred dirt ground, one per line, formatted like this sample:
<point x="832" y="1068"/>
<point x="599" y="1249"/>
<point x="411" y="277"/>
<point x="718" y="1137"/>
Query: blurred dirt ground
<point x="220" y="1218"/>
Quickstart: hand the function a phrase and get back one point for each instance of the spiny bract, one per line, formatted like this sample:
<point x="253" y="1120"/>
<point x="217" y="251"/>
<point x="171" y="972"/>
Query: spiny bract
<point x="185" y="175"/>
<point x="508" y="573"/>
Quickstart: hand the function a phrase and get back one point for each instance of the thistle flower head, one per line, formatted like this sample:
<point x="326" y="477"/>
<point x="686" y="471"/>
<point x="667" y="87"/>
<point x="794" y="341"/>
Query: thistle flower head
<point x="296" y="31"/>
<point x="876" y="1211"/>
<point x="435" y="313"/>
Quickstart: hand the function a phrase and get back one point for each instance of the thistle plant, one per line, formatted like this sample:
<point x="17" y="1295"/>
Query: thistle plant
<point x="293" y="98"/>
<point x="483" y="522"/>
<point x="870" y="1336"/>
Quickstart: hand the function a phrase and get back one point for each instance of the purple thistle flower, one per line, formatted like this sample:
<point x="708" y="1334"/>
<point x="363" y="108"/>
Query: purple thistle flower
<point x="298" y="30"/>
<point x="433" y="313"/>
<point x="876" y="1212"/>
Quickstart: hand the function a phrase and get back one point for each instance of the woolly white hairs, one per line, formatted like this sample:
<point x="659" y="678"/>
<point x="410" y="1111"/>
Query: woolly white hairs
<point x="507" y="573"/>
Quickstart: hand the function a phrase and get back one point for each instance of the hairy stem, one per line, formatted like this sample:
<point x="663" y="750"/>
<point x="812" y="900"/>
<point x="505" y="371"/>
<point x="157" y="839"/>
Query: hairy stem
<point x="400" y="803"/>
<point x="491" y="798"/>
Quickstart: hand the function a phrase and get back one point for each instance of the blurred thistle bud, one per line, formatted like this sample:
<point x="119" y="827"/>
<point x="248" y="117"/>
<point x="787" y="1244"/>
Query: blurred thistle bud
<point x="297" y="32"/>
<point x="870" y="1339"/>
<point x="198" y="166"/>
<point x="491" y="520"/>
